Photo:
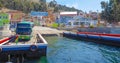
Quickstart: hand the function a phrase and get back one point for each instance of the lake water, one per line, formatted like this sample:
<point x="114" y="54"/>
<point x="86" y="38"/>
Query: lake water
<point x="64" y="50"/>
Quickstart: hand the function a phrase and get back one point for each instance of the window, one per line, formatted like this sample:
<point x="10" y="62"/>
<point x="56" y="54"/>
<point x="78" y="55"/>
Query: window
<point x="82" y="23"/>
<point x="76" y="23"/>
<point x="69" y="23"/>
<point x="5" y="17"/>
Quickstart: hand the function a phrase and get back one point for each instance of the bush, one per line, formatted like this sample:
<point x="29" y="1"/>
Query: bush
<point x="55" y="25"/>
<point x="91" y="26"/>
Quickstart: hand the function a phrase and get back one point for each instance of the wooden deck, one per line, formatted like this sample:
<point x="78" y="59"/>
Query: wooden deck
<point x="33" y="40"/>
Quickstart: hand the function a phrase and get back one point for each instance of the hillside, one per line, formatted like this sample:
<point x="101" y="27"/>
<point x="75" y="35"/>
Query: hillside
<point x="33" y="5"/>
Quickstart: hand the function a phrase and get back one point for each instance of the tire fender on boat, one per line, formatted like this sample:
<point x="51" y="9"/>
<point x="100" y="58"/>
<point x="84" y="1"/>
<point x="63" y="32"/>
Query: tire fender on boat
<point x="0" y="49"/>
<point x="33" y="48"/>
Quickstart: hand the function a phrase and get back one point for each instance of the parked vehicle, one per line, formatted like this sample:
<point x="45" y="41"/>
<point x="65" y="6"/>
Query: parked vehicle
<point x="24" y="30"/>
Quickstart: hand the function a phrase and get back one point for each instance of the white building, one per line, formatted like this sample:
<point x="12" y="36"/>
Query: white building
<point x="68" y="13"/>
<point x="65" y="16"/>
<point x="79" y="21"/>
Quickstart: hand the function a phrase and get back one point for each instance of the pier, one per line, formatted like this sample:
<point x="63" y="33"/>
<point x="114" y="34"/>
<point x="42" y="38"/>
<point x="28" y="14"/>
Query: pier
<point x="33" y="48"/>
<point x="45" y="31"/>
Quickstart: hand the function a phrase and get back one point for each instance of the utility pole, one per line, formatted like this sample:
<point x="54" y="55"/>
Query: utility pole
<point x="98" y="18"/>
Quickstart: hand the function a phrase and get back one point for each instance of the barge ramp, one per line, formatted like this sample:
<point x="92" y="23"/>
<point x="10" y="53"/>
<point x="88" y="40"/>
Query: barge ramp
<point x="34" y="48"/>
<point x="46" y="31"/>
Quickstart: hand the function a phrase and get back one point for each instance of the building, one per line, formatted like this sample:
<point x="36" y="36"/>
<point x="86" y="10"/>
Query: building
<point x="4" y="10"/>
<point x="79" y="21"/>
<point x="15" y="16"/>
<point x="28" y="18"/>
<point x="64" y="17"/>
<point x="38" y="17"/>
<point x="4" y="18"/>
<point x="94" y="15"/>
<point x="50" y="19"/>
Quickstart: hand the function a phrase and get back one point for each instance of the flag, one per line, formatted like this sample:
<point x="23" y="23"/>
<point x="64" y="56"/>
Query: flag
<point x="16" y="40"/>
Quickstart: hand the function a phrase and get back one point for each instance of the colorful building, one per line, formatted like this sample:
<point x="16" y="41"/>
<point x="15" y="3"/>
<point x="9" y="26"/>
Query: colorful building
<point x="28" y="18"/>
<point x="38" y="17"/>
<point x="15" y="17"/>
<point x="4" y="19"/>
<point x="50" y="19"/>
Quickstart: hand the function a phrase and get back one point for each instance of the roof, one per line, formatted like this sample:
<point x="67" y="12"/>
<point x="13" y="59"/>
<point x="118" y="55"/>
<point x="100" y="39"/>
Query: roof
<point x="68" y="13"/>
<point x="14" y="11"/>
<point x="26" y="22"/>
<point x="35" y="13"/>
<point x="4" y="10"/>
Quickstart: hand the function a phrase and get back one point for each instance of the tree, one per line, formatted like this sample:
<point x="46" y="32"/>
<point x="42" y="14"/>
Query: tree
<point x="1" y="5"/>
<point x="111" y="11"/>
<point x="54" y="5"/>
<point x="28" y="5"/>
<point x="103" y="4"/>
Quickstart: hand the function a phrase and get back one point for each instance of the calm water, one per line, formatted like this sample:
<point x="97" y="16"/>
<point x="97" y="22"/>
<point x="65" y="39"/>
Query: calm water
<point x="64" y="50"/>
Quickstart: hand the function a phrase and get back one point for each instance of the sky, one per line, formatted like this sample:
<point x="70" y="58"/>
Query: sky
<point x="84" y="5"/>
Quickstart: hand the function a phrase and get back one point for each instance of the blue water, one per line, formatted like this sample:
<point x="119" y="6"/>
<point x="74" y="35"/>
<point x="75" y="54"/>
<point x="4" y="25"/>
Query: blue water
<point x="64" y="50"/>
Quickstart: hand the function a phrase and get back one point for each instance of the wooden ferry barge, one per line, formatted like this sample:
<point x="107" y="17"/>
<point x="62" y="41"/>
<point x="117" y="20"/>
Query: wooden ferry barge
<point x="34" y="48"/>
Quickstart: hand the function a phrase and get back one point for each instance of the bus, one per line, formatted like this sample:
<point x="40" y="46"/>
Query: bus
<point x="24" y="30"/>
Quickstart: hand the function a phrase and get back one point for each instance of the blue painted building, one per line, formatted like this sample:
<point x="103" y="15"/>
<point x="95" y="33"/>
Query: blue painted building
<point x="79" y="21"/>
<point x="64" y="17"/>
<point x="39" y="20"/>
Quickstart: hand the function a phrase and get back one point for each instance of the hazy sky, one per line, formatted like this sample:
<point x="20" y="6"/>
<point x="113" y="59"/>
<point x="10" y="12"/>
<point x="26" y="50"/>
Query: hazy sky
<point x="84" y="5"/>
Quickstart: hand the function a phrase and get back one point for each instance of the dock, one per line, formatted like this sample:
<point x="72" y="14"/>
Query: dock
<point x="35" y="47"/>
<point x="46" y="31"/>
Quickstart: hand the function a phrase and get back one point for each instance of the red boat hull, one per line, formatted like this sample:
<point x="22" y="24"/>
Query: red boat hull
<point x="99" y="34"/>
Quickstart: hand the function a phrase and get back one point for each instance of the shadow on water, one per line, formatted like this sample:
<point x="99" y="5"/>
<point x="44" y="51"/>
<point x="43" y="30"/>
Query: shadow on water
<point x="41" y="60"/>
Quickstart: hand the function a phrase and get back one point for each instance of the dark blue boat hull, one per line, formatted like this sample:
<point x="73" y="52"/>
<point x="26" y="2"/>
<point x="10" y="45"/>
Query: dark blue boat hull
<point x="109" y="40"/>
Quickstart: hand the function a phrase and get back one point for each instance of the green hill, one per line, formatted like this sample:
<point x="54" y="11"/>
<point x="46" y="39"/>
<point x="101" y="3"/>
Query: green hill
<point x="33" y="5"/>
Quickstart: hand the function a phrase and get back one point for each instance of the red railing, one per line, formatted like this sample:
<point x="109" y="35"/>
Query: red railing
<point x="6" y="39"/>
<point x="100" y="34"/>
